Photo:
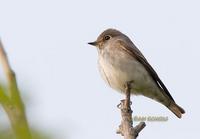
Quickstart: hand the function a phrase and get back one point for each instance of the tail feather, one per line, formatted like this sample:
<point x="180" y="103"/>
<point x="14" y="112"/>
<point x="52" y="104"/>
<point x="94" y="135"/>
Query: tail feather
<point x="176" y="109"/>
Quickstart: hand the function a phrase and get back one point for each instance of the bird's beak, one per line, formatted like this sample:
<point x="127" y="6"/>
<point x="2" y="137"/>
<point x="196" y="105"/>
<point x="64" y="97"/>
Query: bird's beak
<point x="93" y="43"/>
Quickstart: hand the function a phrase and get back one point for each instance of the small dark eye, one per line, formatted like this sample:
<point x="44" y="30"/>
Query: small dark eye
<point x="106" y="37"/>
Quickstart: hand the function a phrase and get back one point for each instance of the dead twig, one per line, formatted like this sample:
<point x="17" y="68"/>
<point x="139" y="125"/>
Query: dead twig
<point x="126" y="128"/>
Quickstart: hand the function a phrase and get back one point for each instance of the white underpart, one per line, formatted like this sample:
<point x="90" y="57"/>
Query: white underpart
<point x="121" y="68"/>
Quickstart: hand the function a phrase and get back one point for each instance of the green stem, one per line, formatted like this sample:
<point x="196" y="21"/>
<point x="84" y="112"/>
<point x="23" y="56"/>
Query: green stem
<point x="12" y="102"/>
<point x="18" y="121"/>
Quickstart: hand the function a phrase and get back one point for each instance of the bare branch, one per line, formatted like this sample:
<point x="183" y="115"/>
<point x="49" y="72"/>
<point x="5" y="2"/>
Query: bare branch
<point x="126" y="128"/>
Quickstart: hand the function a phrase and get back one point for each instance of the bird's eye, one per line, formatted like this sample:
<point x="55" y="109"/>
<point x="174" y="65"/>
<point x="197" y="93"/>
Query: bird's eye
<point x="106" y="37"/>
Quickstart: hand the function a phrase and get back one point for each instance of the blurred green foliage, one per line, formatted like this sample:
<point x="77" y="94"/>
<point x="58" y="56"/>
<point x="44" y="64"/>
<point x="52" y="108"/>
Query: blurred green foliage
<point x="7" y="133"/>
<point x="12" y="103"/>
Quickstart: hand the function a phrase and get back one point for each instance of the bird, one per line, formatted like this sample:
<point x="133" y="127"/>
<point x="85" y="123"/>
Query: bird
<point x="120" y="61"/>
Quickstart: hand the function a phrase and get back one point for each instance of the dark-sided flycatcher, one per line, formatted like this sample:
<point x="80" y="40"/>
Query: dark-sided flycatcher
<point x="120" y="62"/>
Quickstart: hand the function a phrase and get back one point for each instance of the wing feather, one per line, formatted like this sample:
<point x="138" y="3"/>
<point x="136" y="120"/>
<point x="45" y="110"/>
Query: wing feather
<point x="135" y="52"/>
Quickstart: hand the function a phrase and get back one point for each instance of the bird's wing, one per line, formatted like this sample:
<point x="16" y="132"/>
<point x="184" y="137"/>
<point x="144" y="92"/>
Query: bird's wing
<point x="135" y="52"/>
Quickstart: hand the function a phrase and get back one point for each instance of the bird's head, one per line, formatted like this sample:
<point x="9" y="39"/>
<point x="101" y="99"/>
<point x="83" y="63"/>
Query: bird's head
<point x="105" y="37"/>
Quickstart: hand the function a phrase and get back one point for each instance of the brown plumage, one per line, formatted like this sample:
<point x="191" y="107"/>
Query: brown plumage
<point x="121" y="61"/>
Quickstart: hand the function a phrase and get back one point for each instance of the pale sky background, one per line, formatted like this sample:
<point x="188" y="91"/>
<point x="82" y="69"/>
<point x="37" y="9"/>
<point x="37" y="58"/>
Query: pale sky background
<point x="46" y="41"/>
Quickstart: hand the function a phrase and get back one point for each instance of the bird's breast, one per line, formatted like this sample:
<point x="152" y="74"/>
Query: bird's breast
<point x="117" y="68"/>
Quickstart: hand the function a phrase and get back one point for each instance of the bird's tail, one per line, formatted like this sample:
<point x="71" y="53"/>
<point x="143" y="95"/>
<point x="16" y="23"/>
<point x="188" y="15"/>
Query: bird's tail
<point x="176" y="109"/>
